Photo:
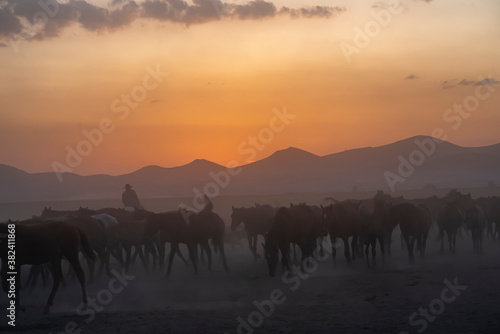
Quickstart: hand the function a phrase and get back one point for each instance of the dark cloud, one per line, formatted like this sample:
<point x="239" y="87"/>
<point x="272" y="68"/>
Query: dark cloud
<point x="487" y="82"/>
<point x="310" y="12"/>
<point x="17" y="16"/>
<point x="257" y="9"/>
<point x="464" y="82"/>
<point x="411" y="77"/>
<point x="9" y="23"/>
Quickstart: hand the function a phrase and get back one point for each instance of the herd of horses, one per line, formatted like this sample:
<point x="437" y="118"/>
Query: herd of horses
<point x="104" y="234"/>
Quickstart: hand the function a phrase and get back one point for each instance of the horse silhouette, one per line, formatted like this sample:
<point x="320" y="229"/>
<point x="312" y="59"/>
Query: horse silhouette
<point x="290" y="225"/>
<point x="257" y="221"/>
<point x="414" y="222"/>
<point x="475" y="221"/>
<point x="47" y="242"/>
<point x="345" y="220"/>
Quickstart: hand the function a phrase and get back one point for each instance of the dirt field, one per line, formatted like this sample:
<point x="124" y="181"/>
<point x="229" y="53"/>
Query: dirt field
<point x="443" y="294"/>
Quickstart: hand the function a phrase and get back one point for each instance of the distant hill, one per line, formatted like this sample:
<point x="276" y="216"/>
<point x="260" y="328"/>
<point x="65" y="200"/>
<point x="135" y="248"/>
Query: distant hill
<point x="286" y="171"/>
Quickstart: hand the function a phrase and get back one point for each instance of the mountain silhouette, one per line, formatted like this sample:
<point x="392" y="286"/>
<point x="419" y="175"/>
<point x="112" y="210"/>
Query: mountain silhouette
<point x="285" y="171"/>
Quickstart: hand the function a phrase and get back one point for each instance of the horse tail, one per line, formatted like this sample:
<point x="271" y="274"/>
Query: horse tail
<point x="87" y="250"/>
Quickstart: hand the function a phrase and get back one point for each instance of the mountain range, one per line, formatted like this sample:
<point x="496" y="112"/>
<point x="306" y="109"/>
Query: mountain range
<point x="412" y="163"/>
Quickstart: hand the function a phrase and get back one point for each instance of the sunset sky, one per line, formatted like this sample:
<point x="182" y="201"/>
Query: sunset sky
<point x="229" y="65"/>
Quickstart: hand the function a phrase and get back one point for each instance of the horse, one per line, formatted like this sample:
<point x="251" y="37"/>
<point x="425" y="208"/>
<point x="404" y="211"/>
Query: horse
<point x="344" y="220"/>
<point x="202" y="227"/>
<point x="169" y="227"/>
<point x="475" y="221"/>
<point x="377" y="228"/>
<point x="493" y="217"/>
<point x="48" y="213"/>
<point x="127" y="235"/>
<point x="41" y="243"/>
<point x="414" y="222"/>
<point x="257" y="222"/>
<point x="97" y="236"/>
<point x="290" y="225"/>
<point x="449" y="220"/>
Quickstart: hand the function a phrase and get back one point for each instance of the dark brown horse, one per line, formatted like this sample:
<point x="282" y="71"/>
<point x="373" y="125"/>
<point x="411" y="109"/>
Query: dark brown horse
<point x="169" y="227"/>
<point x="345" y="220"/>
<point x="475" y="221"/>
<point x="414" y="222"/>
<point x="257" y="222"/>
<point x="41" y="243"/>
<point x="204" y="226"/>
<point x="376" y="228"/>
<point x="450" y="219"/>
<point x="126" y="236"/>
<point x="96" y="234"/>
<point x="290" y="225"/>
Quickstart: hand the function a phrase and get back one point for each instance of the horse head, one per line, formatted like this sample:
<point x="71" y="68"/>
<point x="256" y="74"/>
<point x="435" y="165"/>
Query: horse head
<point x="237" y="217"/>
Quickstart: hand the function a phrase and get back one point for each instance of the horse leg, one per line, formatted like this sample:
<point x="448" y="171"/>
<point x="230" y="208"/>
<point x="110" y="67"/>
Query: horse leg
<point x="171" y="258"/>
<point x="142" y="257"/>
<point x="354" y="247"/>
<point x="374" y="251"/>
<point x="161" y="254"/>
<point x="409" y="247"/>
<point x="75" y="263"/>
<point x="32" y="276"/>
<point x="179" y="253"/>
<point x="285" y="263"/>
<point x="382" y="247"/>
<point x="222" y="253"/>
<point x="334" y="249"/>
<point x="91" y="265"/>
<point x="127" y="249"/>
<point x="18" y="292"/>
<point x="202" y="254"/>
<point x="388" y="242"/>
<point x="56" y="275"/>
<point x="193" y="255"/>
<point x="346" y="250"/>
<point x="367" y="251"/>
<point x="206" y="247"/>
<point x="152" y="250"/>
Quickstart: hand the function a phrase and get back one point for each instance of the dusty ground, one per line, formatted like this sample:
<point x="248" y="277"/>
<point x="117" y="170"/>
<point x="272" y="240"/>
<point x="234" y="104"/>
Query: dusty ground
<point x="340" y="299"/>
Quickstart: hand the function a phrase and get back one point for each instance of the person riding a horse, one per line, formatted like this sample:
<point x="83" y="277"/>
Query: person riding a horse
<point x="130" y="198"/>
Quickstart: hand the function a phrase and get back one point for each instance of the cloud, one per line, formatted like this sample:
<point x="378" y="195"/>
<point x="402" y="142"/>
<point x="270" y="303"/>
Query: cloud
<point x="411" y="77"/>
<point x="254" y="10"/>
<point x="17" y="16"/>
<point x="487" y="82"/>
<point x="311" y="12"/>
<point x="464" y="82"/>
<point x="9" y="23"/>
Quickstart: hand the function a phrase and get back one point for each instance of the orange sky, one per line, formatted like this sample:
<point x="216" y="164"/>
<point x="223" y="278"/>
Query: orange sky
<point x="225" y="78"/>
